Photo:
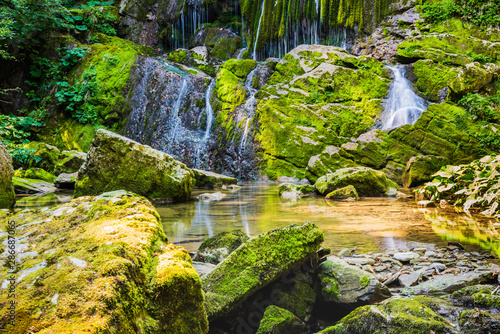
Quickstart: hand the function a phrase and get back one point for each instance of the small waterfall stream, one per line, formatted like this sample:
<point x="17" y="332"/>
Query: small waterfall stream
<point x="258" y="31"/>
<point x="210" y="116"/>
<point x="403" y="105"/>
<point x="249" y="108"/>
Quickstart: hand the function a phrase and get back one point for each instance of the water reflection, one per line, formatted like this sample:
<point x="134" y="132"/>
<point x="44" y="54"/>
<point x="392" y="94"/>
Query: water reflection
<point x="43" y="200"/>
<point x="372" y="224"/>
<point x="473" y="230"/>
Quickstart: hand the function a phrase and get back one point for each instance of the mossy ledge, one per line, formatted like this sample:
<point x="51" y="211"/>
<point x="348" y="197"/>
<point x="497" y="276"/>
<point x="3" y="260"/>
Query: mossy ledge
<point x="100" y="265"/>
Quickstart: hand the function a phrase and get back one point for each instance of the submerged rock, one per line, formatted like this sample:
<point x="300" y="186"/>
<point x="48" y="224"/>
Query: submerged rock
<point x="205" y="179"/>
<point x="343" y="193"/>
<point x="398" y="315"/>
<point x="101" y="264"/>
<point x="115" y="162"/>
<point x="256" y="263"/>
<point x="367" y="181"/>
<point x="209" y="197"/>
<point x="215" y="249"/>
<point x="346" y="284"/>
<point x="290" y="190"/>
<point x="7" y="195"/>
<point x="277" y="320"/>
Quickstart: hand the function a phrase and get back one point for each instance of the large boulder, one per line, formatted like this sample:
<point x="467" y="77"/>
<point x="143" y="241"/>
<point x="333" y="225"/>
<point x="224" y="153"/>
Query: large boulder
<point x="215" y="249"/>
<point x="398" y="315"/>
<point x="100" y="264"/>
<point x="277" y="320"/>
<point x="421" y="169"/>
<point x="206" y="179"/>
<point x="367" y="181"/>
<point x="115" y="162"/>
<point x="256" y="263"/>
<point x="222" y="43"/>
<point x="346" y="284"/>
<point x="7" y="195"/>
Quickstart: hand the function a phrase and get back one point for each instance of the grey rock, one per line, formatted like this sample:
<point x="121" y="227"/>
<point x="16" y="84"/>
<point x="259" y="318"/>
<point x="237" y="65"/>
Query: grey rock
<point x="66" y="181"/>
<point x="209" y="197"/>
<point x="410" y="279"/>
<point x="406" y="256"/>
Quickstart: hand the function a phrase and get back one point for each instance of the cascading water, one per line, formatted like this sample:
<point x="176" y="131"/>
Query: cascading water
<point x="402" y="105"/>
<point x="248" y="108"/>
<point x="210" y="116"/>
<point x="258" y="31"/>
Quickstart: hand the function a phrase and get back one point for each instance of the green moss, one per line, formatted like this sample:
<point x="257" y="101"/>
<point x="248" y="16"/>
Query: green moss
<point x="178" y="56"/>
<point x="364" y="281"/>
<point x="35" y="173"/>
<point x="428" y="83"/>
<point x="276" y="320"/>
<point x="240" y="67"/>
<point x="343" y="193"/>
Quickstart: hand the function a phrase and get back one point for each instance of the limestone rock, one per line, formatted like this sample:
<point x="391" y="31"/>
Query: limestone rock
<point x="473" y="77"/>
<point x="256" y="263"/>
<point x="421" y="169"/>
<point x="215" y="249"/>
<point x="343" y="193"/>
<point x="346" y="284"/>
<point x="115" y="162"/>
<point x="367" y="181"/>
<point x="277" y="320"/>
<point x="7" y="195"/>
<point x="205" y="179"/>
<point x="101" y="264"/>
<point x="222" y="43"/>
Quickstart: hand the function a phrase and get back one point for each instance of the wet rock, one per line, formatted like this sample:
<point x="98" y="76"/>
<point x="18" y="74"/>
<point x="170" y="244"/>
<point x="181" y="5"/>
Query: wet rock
<point x="346" y="284"/>
<point x="32" y="186"/>
<point x="410" y="279"/>
<point x="396" y="315"/>
<point x="93" y="252"/>
<point x="69" y="162"/>
<point x="66" y="181"/>
<point x="256" y="263"/>
<point x="421" y="169"/>
<point x="346" y="252"/>
<point x="289" y="190"/>
<point x="215" y="249"/>
<point x="203" y="269"/>
<point x="222" y="43"/>
<point x="472" y="77"/>
<point x="359" y="261"/>
<point x="115" y="162"/>
<point x="449" y="283"/>
<point x="343" y="193"/>
<point x="367" y="181"/>
<point x="277" y="320"/>
<point x="7" y="195"/>
<point x="209" y="197"/>
<point x="479" y="322"/>
<point x="406" y="256"/>
<point x="36" y="174"/>
<point x="205" y="179"/>
<point x="475" y="296"/>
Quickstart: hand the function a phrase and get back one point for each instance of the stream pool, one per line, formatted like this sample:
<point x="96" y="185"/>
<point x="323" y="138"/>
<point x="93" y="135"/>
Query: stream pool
<point x="371" y="224"/>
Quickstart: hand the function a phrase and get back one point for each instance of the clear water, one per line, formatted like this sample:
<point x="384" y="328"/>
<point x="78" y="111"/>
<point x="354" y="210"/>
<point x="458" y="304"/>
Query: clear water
<point x="402" y="105"/>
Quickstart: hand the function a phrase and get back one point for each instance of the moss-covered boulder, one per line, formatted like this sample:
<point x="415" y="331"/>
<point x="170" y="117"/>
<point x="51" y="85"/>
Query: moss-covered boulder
<point x="7" y="195"/>
<point x="69" y="162"/>
<point x="115" y="162"/>
<point x="477" y="296"/>
<point x="35" y="173"/>
<point x="256" y="263"/>
<point x="399" y="315"/>
<point x="343" y="193"/>
<point x="430" y="78"/>
<point x="421" y="169"/>
<point x="290" y="190"/>
<point x="206" y="179"/>
<point x="367" y="181"/>
<point x="277" y="320"/>
<point x="345" y="284"/>
<point x="32" y="186"/>
<point x="479" y="322"/>
<point x="222" y="43"/>
<point x="215" y="249"/>
<point x="99" y="265"/>
<point x="326" y="162"/>
<point x="53" y="160"/>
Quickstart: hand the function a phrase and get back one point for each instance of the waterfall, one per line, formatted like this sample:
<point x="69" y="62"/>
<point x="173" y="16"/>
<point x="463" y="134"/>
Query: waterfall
<point x="258" y="31"/>
<point x="174" y="118"/>
<point x="402" y="105"/>
<point x="248" y="107"/>
<point x="210" y="115"/>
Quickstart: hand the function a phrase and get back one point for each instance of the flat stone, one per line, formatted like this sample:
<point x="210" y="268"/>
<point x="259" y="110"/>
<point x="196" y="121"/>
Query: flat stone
<point x="208" y="197"/>
<point x="410" y="279"/>
<point x="359" y="260"/>
<point x="449" y="283"/>
<point x="406" y="256"/>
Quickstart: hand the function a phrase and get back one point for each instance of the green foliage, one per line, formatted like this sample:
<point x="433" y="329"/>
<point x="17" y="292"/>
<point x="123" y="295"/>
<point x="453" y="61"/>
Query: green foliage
<point x="23" y="156"/>
<point x="481" y="108"/>
<point x="17" y="129"/>
<point x="76" y="98"/>
<point x="481" y="13"/>
<point x="43" y="68"/>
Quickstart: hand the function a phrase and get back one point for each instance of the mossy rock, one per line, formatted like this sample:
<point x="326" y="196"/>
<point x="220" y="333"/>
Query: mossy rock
<point x="327" y="162"/>
<point x="7" y="195"/>
<point x="367" y="181"/>
<point x="398" y="315"/>
<point x="431" y="78"/>
<point x="206" y="179"/>
<point x="420" y="169"/>
<point x="101" y="264"/>
<point x="256" y="263"/>
<point x="71" y="135"/>
<point x="223" y="43"/>
<point x="477" y="296"/>
<point x="32" y="186"/>
<point x="215" y="249"/>
<point x="35" y="173"/>
<point x="479" y="322"/>
<point x="295" y="190"/>
<point x="343" y="193"/>
<point x="48" y="156"/>
<point x="115" y="162"/>
<point x="277" y="320"/>
<point x="345" y="284"/>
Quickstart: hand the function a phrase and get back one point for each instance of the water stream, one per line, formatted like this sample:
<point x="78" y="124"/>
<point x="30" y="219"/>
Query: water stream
<point x="258" y="31"/>
<point x="403" y="105"/>
<point x="210" y="116"/>
<point x="249" y="108"/>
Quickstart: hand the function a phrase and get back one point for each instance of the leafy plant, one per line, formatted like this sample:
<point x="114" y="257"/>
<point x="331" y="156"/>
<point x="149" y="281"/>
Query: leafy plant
<point x="481" y="108"/>
<point x="17" y="129"/>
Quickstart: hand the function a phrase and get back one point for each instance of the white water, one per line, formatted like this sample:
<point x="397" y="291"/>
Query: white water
<point x="177" y="107"/>
<point x="249" y="107"/>
<point x="210" y="116"/>
<point x="258" y="31"/>
<point x="402" y="105"/>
